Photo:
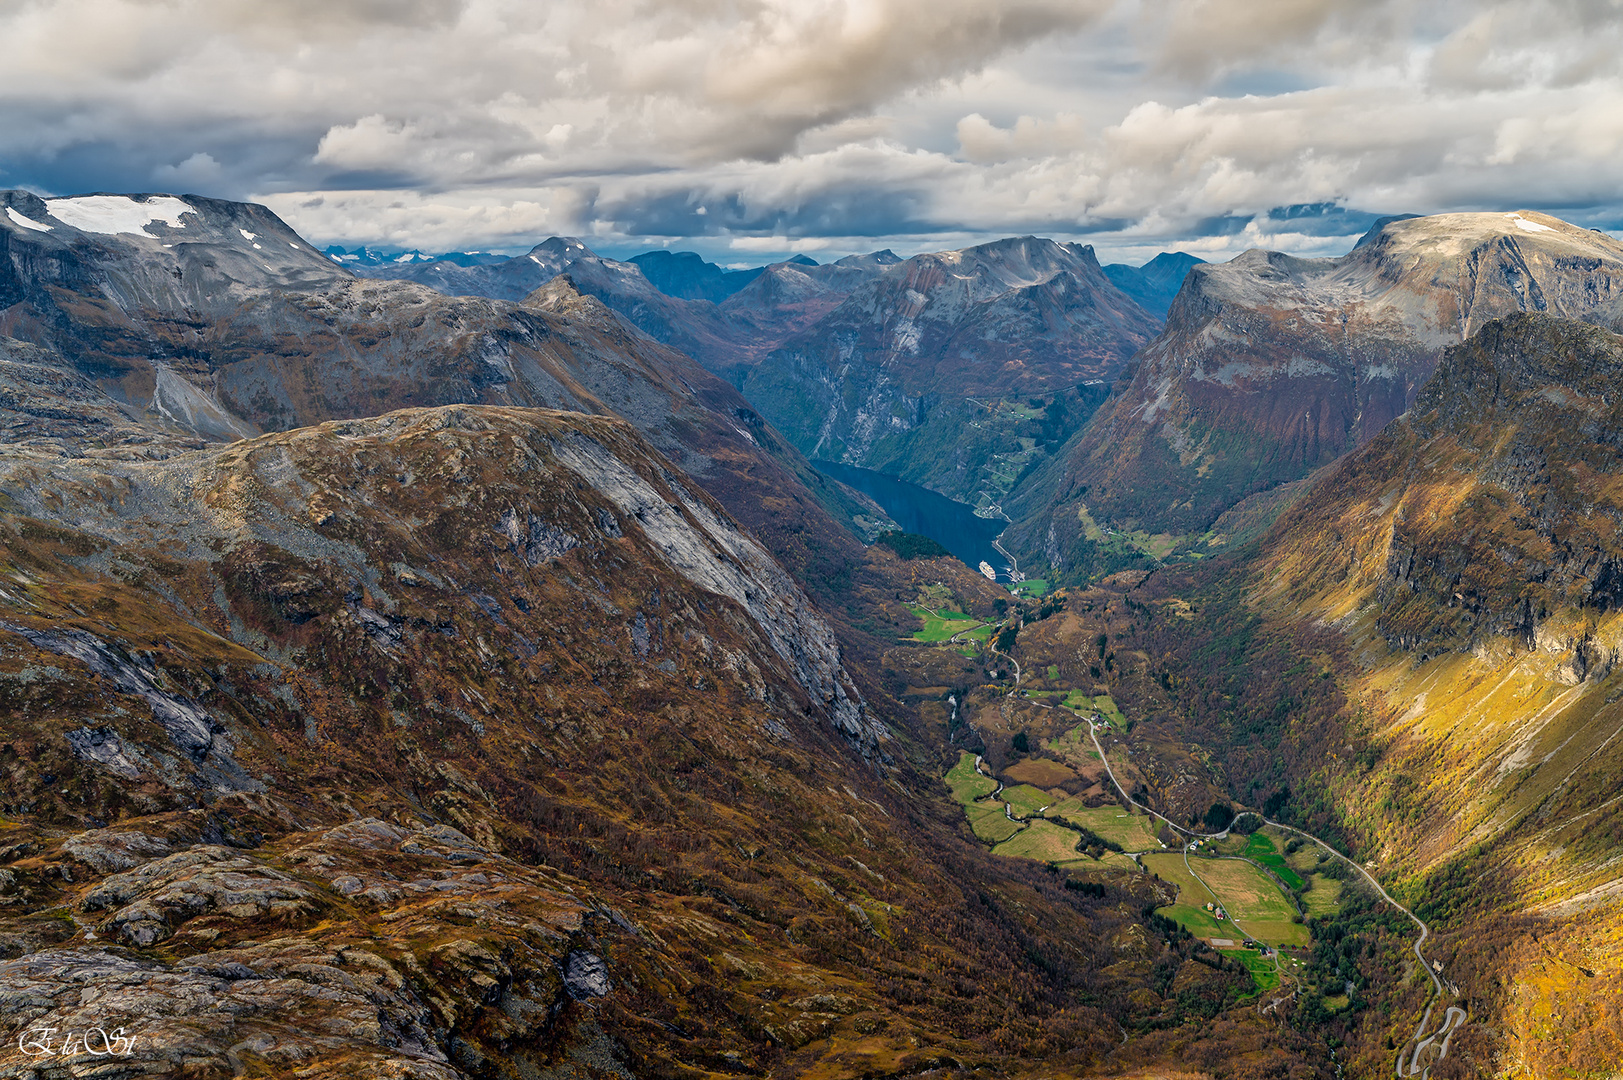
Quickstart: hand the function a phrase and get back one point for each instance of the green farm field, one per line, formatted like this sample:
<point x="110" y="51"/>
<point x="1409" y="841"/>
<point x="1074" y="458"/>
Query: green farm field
<point x="1324" y="899"/>
<point x="1043" y="841"/>
<point x="941" y="625"/>
<point x="1261" y="849"/>
<point x="1263" y="972"/>
<point x="1168" y="866"/>
<point x="1104" y="705"/>
<point x="1253" y="900"/>
<point x="1134" y="832"/>
<point x="966" y="784"/>
<point x="1198" y="921"/>
<point x="990" y="823"/>
<point x="1026" y="800"/>
<point x="1110" y="860"/>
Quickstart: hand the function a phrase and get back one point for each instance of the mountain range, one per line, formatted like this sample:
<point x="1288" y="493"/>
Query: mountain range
<point x="425" y="684"/>
<point x="458" y="667"/>
<point x="897" y="365"/>
<point x="1271" y="366"/>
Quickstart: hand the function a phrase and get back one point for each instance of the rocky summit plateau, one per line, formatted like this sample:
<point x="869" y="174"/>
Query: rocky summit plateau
<point x="468" y="667"/>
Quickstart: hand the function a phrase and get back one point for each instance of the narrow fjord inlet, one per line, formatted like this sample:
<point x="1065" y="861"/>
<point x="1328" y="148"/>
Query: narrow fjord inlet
<point x="919" y="510"/>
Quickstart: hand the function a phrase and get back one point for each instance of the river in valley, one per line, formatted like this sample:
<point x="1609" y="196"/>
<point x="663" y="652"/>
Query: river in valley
<point x="917" y="509"/>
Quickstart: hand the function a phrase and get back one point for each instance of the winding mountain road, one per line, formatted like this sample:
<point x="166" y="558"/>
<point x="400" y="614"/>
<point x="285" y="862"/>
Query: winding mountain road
<point x="1417" y="1047"/>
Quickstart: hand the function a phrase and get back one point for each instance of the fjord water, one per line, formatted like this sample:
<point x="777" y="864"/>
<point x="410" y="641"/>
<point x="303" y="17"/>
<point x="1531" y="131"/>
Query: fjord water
<point x="917" y="509"/>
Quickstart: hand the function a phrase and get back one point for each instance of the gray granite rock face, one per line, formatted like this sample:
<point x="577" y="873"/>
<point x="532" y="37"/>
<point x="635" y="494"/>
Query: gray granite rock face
<point x="586" y="975"/>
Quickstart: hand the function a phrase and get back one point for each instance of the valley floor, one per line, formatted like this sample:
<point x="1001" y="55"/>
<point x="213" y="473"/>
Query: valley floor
<point x="1262" y="895"/>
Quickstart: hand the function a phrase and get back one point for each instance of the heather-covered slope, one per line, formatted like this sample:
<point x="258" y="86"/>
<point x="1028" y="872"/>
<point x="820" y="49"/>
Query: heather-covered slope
<point x="1272" y="366"/>
<point x="478" y="742"/>
<point x="935" y="370"/>
<point x="1468" y="557"/>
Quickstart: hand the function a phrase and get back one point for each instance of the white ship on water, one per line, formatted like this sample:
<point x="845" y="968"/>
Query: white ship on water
<point x="986" y="568"/>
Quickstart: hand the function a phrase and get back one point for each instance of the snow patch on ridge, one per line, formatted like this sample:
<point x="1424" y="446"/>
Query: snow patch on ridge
<point x="1527" y="226"/>
<point x="114" y="214"/>
<point x="27" y="223"/>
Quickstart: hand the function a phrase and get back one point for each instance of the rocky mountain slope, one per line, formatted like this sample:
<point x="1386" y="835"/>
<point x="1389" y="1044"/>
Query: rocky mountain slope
<point x="688" y="276"/>
<point x="788" y="298"/>
<point x="190" y="330"/>
<point x="1154" y="285"/>
<point x="927" y="371"/>
<point x="1272" y="366"/>
<point x="693" y="326"/>
<point x="1468" y="560"/>
<point x="456" y="742"/>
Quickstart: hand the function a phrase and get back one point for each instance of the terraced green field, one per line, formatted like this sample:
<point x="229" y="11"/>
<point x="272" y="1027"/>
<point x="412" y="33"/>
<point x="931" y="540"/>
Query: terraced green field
<point x="966" y="784"/>
<point x="1043" y="841"/>
<point x="1133" y="831"/>
<point x="1260" y="848"/>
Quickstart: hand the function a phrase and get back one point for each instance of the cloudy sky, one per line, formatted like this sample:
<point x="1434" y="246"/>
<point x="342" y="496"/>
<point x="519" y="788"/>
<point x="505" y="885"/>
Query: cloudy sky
<point x="749" y="129"/>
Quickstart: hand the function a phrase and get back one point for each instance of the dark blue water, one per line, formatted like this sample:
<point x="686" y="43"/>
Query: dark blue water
<point x="917" y="509"/>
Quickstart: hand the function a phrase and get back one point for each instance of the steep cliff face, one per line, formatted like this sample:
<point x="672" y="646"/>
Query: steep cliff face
<point x="1272" y="366"/>
<point x="1487" y="509"/>
<point x="901" y="375"/>
<point x="400" y="478"/>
